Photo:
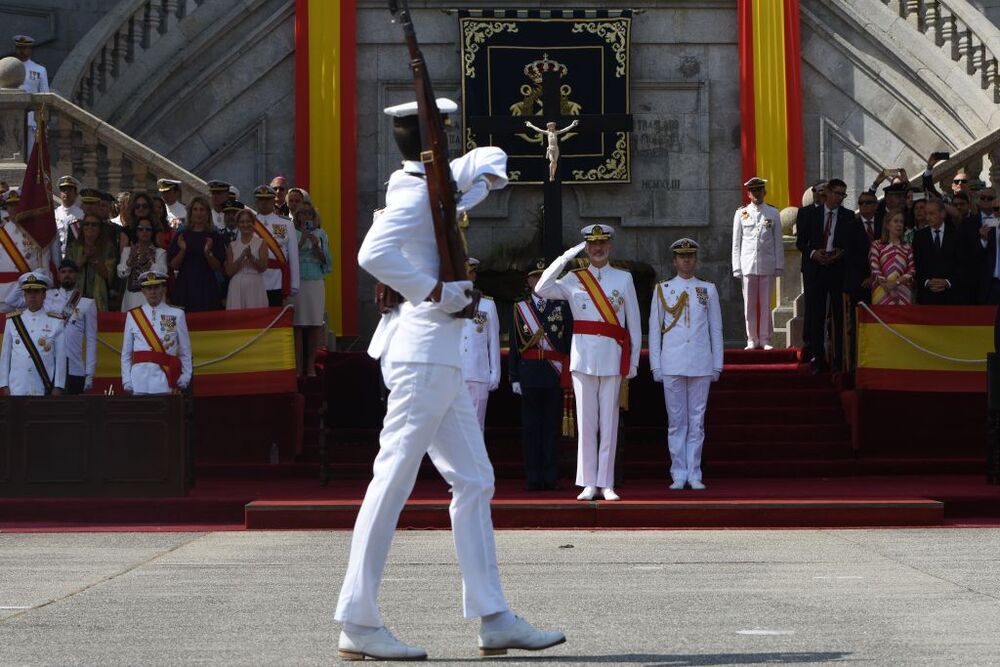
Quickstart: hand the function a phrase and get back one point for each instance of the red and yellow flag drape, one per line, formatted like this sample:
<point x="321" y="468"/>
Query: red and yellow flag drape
<point x="770" y="97"/>
<point x="325" y="80"/>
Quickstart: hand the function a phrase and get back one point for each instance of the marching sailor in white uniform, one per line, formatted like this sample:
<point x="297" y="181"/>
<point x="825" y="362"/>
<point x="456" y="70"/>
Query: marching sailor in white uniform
<point x="758" y="257"/>
<point x="685" y="354"/>
<point x="607" y="338"/>
<point x="79" y="316"/>
<point x="156" y="347"/>
<point x="481" y="350"/>
<point x="32" y="362"/>
<point x="429" y="411"/>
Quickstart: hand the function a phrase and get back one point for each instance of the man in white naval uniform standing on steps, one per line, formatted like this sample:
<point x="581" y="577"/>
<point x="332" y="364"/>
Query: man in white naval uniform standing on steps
<point x="481" y="350"/>
<point x="685" y="354"/>
<point x="607" y="338"/>
<point x="429" y="411"/>
<point x="758" y="257"/>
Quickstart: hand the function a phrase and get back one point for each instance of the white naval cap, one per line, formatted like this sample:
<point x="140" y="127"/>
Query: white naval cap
<point x="684" y="246"/>
<point x="152" y="278"/>
<point x="755" y="182"/>
<point x="68" y="182"/>
<point x="167" y="184"/>
<point x="24" y="40"/>
<point x="598" y="232"/>
<point x="34" y="280"/>
<point x="444" y="105"/>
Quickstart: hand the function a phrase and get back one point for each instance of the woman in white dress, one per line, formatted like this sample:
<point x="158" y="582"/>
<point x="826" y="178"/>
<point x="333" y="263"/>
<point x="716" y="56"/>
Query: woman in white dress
<point x="140" y="256"/>
<point x="246" y="261"/>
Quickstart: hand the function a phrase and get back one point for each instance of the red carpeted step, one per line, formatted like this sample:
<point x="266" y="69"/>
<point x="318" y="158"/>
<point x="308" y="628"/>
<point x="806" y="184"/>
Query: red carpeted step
<point x="766" y="433"/>
<point x="773" y="368"/>
<point x="761" y="357"/>
<point x="775" y="415"/>
<point x="764" y="380"/>
<point x="789" y="399"/>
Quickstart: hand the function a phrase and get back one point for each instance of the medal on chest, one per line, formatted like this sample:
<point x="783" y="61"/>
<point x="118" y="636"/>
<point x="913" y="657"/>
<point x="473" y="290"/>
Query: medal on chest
<point x="480" y="320"/>
<point x="702" y="295"/>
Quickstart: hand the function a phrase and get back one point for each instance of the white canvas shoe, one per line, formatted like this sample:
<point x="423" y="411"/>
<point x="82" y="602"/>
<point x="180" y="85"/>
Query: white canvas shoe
<point x="609" y="494"/>
<point x="750" y="346"/>
<point x="380" y="645"/>
<point x="768" y="346"/>
<point x="696" y="486"/>
<point x="522" y="635"/>
<point x="588" y="493"/>
<point x="678" y="485"/>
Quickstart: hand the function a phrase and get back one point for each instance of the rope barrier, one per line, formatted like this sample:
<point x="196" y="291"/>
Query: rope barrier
<point x="917" y="346"/>
<point x="228" y="355"/>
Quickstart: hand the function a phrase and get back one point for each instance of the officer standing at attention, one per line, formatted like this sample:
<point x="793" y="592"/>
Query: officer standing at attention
<point x="36" y="80"/>
<point x="32" y="361"/>
<point x="281" y="279"/>
<point x="540" y="335"/>
<point x="685" y="354"/>
<point x="156" y="348"/>
<point x="758" y="257"/>
<point x="606" y="341"/>
<point x="481" y="350"/>
<point x="428" y="412"/>
<point x="79" y="336"/>
<point x="69" y="210"/>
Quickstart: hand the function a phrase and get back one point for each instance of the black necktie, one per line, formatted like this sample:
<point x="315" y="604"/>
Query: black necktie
<point x="937" y="239"/>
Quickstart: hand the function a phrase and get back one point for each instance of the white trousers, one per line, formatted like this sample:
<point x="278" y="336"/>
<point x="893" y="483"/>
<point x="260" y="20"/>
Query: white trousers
<point x="757" y="309"/>
<point x="596" y="416"/>
<point x="480" y="393"/>
<point x="686" y="399"/>
<point x="428" y="411"/>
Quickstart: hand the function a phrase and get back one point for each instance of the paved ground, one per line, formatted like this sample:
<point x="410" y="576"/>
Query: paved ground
<point x="918" y="597"/>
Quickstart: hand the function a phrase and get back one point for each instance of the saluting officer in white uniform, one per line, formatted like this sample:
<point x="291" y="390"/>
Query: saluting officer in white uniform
<point x="758" y="256"/>
<point x="429" y="411"/>
<point x="284" y="232"/>
<point x="32" y="361"/>
<point x="685" y="354"/>
<point x="605" y="348"/>
<point x="79" y="316"/>
<point x="481" y="350"/>
<point x="29" y="256"/>
<point x="170" y="190"/>
<point x="69" y="210"/>
<point x="36" y="80"/>
<point x="155" y="339"/>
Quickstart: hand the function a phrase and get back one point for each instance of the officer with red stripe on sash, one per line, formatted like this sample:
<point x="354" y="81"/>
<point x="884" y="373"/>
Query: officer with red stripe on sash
<point x="607" y="337"/>
<point x="156" y="348"/>
<point x="32" y="362"/>
<point x="19" y="255"/>
<point x="281" y="279"/>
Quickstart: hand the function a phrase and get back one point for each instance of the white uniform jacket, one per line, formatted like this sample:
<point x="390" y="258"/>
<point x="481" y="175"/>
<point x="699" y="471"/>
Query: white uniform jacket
<point x="177" y="211"/>
<point x="481" y="345"/>
<point x="65" y="216"/>
<point x="693" y="345"/>
<point x="758" y="249"/>
<point x="400" y="251"/>
<point x="595" y="355"/>
<point x="36" y="80"/>
<point x="37" y="259"/>
<point x="79" y="331"/>
<point x="171" y="327"/>
<point x="17" y="370"/>
<point x="284" y="233"/>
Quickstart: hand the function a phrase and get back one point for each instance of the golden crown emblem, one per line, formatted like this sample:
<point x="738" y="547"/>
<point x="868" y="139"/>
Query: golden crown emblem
<point x="536" y="69"/>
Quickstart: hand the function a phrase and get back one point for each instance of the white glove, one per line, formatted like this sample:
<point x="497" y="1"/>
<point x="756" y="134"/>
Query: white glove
<point x="516" y="387"/>
<point x="127" y="388"/>
<point x="737" y="274"/>
<point x="574" y="251"/>
<point x="493" y="386"/>
<point x="453" y="296"/>
<point x="632" y="372"/>
<point x="656" y="375"/>
<point x="88" y="383"/>
<point x="715" y="375"/>
<point x="473" y="196"/>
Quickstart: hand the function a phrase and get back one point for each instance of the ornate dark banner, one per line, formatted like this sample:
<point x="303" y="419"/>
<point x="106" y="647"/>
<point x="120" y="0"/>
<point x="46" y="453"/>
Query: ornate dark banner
<point x="504" y="56"/>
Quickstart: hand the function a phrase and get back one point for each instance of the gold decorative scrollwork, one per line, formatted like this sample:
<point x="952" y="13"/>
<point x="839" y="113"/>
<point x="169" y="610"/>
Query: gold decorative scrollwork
<point x="614" y="33"/>
<point x="513" y="175"/>
<point x="470" y="139"/>
<point x="475" y="35"/>
<point x="615" y="168"/>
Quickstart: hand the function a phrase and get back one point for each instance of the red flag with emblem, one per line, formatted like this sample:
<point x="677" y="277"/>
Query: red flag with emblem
<point x="36" y="215"/>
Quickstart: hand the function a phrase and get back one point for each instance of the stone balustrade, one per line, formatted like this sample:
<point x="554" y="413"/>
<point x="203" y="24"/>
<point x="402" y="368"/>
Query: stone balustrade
<point x="85" y="146"/>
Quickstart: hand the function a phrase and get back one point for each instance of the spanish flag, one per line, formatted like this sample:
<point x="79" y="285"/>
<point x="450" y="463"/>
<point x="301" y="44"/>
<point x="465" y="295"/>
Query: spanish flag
<point x="325" y="128"/>
<point x="771" y="97"/>
<point x="924" y="348"/>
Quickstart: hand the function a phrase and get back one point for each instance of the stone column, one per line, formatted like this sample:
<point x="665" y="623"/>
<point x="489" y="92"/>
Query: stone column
<point x="13" y="105"/>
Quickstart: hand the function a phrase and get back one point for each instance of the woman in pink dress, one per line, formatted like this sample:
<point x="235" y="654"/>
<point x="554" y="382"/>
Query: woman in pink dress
<point x="891" y="262"/>
<point x="246" y="261"/>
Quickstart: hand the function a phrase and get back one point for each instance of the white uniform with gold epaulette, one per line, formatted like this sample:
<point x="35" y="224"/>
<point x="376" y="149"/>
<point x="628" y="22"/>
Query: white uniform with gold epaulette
<point x="687" y="358"/>
<point x="758" y="256"/>
<point x="11" y="296"/>
<point x="481" y="355"/>
<point x="36" y="80"/>
<point x="17" y="370"/>
<point x="65" y="217"/>
<point x="284" y="233"/>
<point x="148" y="378"/>
<point x="595" y="362"/>
<point x="79" y="332"/>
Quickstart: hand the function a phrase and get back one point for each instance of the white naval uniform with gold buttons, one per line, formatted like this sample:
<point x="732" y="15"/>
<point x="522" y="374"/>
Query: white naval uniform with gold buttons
<point x="17" y="370"/>
<point x="429" y="409"/>
<point x="285" y="234"/>
<point x="595" y="362"/>
<point x="36" y="80"/>
<point x="79" y="332"/>
<point x="65" y="217"/>
<point x="758" y="256"/>
<point x="481" y="355"/>
<point x="147" y="377"/>
<point x="686" y="357"/>
<point x="11" y="296"/>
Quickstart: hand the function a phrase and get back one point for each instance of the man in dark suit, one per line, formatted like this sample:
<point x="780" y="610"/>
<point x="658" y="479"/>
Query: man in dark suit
<point x="987" y="279"/>
<point x="937" y="253"/>
<point x="827" y="248"/>
<point x="864" y="230"/>
<point x="977" y="271"/>
<point x="807" y="218"/>
<point x="540" y="337"/>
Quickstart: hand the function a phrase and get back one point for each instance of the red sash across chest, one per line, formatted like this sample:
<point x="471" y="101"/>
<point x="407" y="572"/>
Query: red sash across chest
<point x="157" y="354"/>
<point x="610" y="326"/>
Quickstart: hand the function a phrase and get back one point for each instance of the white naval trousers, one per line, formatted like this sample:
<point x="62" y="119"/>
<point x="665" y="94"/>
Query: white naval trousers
<point x="686" y="399"/>
<point x="480" y="393"/>
<point x="596" y="416"/>
<point x="757" y="309"/>
<point x="428" y="411"/>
